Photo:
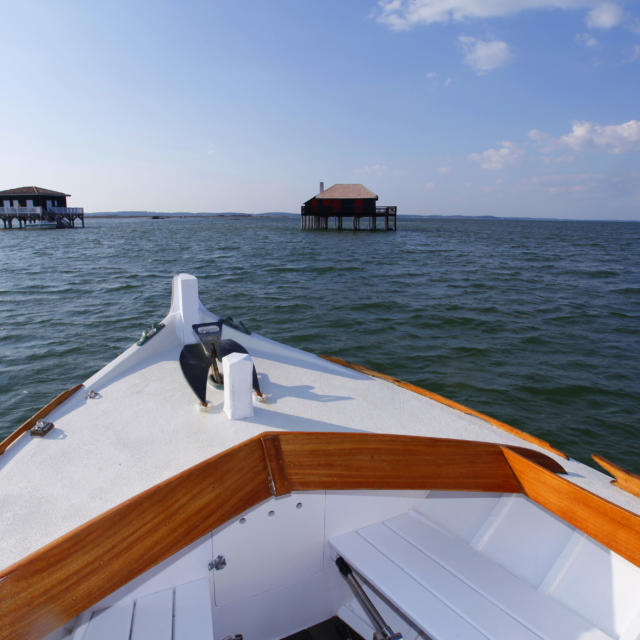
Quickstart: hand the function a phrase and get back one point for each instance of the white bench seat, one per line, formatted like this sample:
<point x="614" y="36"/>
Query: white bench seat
<point x="181" y="613"/>
<point x="450" y="590"/>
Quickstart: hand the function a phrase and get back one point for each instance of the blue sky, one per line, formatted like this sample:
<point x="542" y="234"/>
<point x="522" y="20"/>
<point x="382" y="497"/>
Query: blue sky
<point x="476" y="107"/>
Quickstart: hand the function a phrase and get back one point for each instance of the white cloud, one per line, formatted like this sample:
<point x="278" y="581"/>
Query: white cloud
<point x="404" y="14"/>
<point x="567" y="183"/>
<point x="448" y="81"/>
<point x="444" y="170"/>
<point x="485" y="56"/>
<point x="613" y="138"/>
<point x="506" y="154"/>
<point x="604" y="16"/>
<point x="431" y="75"/>
<point x="551" y="149"/>
<point x="430" y="186"/>
<point x="586" y="40"/>
<point x="587" y="136"/>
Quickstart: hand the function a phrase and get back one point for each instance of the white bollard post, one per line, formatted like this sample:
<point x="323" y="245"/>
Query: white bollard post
<point x="237" y="369"/>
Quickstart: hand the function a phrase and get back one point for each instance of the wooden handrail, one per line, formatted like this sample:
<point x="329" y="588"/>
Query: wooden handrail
<point x="52" y="585"/>
<point x="450" y="403"/>
<point x="308" y="462"/>
<point x="47" y="409"/>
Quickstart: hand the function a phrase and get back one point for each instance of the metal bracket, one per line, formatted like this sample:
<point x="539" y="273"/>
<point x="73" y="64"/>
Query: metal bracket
<point x="41" y="428"/>
<point x="383" y="630"/>
<point x="147" y="334"/>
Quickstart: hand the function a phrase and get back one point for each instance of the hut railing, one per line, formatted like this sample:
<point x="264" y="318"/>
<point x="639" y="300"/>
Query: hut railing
<point x="66" y="210"/>
<point x="21" y="210"/>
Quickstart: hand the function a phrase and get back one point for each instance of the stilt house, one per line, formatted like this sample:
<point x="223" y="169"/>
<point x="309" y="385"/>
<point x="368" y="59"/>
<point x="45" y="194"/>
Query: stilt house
<point x="345" y="201"/>
<point x="29" y="205"/>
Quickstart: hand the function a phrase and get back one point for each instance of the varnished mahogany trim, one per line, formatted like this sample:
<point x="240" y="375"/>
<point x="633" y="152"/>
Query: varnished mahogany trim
<point x="47" y="409"/>
<point x="609" y="524"/>
<point x="538" y="457"/>
<point x="625" y="480"/>
<point x="449" y="403"/>
<point x="379" y="461"/>
<point x="278" y="478"/>
<point x="67" y="576"/>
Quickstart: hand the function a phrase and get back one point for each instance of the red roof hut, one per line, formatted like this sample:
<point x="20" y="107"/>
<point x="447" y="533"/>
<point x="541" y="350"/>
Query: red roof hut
<point x="344" y="200"/>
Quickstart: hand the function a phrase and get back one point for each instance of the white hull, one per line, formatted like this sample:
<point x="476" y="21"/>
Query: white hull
<point x="441" y="564"/>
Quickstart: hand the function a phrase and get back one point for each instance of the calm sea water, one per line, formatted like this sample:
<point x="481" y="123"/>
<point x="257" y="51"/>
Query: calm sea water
<point x="536" y="323"/>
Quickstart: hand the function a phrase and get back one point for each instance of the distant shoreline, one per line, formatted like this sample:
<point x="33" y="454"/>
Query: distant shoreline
<point x="159" y="215"/>
<point x="285" y="215"/>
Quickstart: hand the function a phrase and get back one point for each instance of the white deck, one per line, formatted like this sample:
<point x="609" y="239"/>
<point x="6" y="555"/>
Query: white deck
<point x="146" y="426"/>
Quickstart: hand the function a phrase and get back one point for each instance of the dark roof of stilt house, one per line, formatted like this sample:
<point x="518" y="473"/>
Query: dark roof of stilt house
<point x="346" y="192"/>
<point x="32" y="191"/>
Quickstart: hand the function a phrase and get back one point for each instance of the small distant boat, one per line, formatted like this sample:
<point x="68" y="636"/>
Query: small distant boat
<point x="212" y="483"/>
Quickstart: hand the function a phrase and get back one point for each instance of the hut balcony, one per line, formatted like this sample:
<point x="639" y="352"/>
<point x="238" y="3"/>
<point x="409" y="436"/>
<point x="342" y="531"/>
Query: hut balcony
<point x="20" y="211"/>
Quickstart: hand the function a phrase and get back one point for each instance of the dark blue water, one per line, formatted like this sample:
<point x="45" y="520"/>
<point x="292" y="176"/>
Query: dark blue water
<point x="536" y="323"/>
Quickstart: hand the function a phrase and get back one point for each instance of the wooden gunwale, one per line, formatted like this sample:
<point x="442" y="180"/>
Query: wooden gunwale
<point x="55" y="583"/>
<point x="625" y="480"/>
<point x="449" y="403"/>
<point x="47" y="409"/>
